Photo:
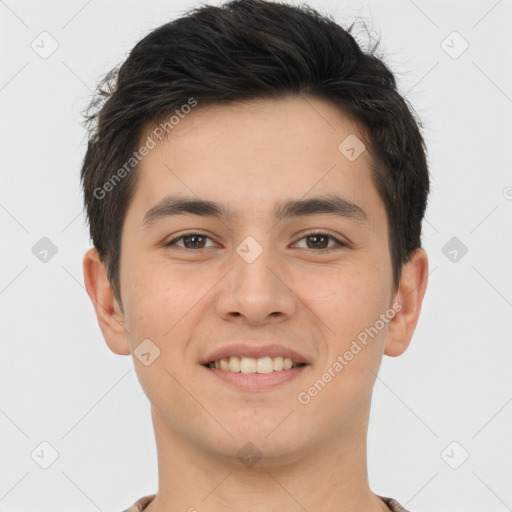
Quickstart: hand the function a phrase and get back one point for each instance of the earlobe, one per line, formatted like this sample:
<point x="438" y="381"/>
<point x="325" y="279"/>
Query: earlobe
<point x="411" y="290"/>
<point x="108" y="312"/>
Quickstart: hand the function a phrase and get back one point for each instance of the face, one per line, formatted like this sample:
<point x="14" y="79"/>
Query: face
<point x="258" y="280"/>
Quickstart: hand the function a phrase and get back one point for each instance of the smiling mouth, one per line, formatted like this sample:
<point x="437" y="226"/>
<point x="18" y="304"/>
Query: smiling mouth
<point x="253" y="365"/>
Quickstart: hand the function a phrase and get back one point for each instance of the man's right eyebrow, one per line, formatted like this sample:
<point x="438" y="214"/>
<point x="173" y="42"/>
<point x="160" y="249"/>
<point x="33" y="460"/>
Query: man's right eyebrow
<point x="173" y="205"/>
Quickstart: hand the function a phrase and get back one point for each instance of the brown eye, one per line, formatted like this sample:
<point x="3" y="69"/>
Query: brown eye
<point x="318" y="241"/>
<point x="190" y="241"/>
<point x="321" y="241"/>
<point x="314" y="241"/>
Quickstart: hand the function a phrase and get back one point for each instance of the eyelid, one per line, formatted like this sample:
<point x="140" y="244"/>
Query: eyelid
<point x="325" y="232"/>
<point x="183" y="235"/>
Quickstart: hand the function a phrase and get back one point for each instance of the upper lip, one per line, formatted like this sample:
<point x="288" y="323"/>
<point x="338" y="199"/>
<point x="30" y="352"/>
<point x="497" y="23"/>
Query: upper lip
<point x="254" y="351"/>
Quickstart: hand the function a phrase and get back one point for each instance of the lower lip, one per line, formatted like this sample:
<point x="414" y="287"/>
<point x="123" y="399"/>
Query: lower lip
<point x="256" y="381"/>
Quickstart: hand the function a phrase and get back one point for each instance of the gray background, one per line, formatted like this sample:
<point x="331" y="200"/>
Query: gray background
<point x="449" y="396"/>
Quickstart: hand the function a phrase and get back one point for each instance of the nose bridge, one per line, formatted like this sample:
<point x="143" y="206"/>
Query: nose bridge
<point x="252" y="263"/>
<point x="253" y="289"/>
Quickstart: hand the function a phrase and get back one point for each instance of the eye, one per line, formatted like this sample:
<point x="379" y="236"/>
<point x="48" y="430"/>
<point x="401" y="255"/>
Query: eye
<point x="191" y="241"/>
<point x="320" y="240"/>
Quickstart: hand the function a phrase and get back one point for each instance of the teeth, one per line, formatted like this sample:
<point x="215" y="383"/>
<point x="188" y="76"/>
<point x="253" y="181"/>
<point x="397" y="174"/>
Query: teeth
<point x="251" y="365"/>
<point x="264" y="365"/>
<point x="278" y="364"/>
<point x="234" y="364"/>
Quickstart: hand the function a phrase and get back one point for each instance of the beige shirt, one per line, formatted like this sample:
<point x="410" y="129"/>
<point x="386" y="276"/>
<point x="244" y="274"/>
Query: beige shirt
<point x="143" y="502"/>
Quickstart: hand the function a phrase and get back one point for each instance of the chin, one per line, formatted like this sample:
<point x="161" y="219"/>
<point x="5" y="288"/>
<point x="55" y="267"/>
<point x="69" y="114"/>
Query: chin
<point x="259" y="445"/>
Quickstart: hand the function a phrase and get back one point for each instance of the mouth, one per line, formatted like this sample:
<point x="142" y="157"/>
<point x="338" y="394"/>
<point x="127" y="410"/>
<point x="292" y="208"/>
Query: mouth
<point x="252" y="365"/>
<point x="255" y="372"/>
<point x="248" y="366"/>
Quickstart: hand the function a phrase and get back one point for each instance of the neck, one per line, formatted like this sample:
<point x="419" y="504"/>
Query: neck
<point x="330" y="476"/>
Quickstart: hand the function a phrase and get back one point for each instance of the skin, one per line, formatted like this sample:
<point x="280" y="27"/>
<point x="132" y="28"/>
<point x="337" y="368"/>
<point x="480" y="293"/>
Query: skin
<point x="189" y="301"/>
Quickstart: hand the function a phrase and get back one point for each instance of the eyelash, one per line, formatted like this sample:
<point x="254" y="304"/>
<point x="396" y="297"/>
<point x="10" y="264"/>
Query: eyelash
<point x="339" y="243"/>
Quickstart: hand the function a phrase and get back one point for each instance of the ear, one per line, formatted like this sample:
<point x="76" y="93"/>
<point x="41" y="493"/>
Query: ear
<point x="108" y="312"/>
<point x="411" y="290"/>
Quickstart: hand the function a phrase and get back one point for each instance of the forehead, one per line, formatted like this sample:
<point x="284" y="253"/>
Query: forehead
<point x="253" y="154"/>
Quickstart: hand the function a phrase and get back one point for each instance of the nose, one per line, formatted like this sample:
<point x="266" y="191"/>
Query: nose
<point x="256" y="291"/>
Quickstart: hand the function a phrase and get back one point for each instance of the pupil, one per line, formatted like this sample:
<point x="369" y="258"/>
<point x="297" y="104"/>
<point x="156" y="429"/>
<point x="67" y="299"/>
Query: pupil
<point x="193" y="237"/>
<point x="316" y="237"/>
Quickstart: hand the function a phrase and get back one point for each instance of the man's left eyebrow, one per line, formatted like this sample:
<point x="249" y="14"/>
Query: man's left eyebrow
<point x="171" y="206"/>
<point x="330" y="204"/>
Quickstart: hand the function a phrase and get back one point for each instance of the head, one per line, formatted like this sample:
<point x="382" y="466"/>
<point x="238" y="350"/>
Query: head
<point x="251" y="105"/>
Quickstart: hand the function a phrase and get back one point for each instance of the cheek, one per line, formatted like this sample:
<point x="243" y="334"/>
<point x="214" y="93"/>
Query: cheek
<point x="160" y="307"/>
<point x="350" y="303"/>
<point x="158" y="301"/>
<point x="347" y="299"/>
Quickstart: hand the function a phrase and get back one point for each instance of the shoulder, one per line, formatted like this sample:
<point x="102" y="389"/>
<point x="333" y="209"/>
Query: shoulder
<point x="141" y="503"/>
<point x="393" y="504"/>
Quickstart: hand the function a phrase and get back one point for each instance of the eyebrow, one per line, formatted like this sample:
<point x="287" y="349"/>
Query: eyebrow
<point x="174" y="205"/>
